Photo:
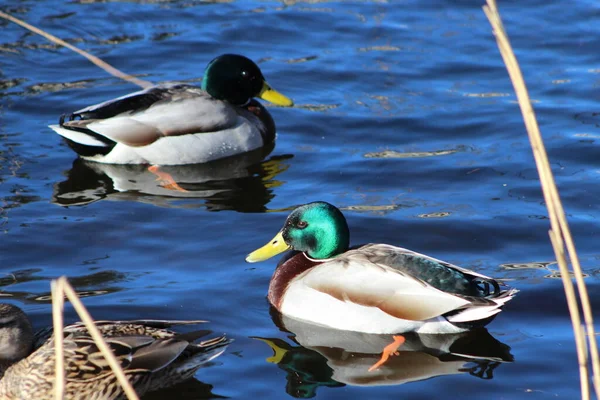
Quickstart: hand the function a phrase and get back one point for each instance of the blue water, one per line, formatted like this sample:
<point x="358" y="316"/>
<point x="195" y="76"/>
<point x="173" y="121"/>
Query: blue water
<point x="405" y="118"/>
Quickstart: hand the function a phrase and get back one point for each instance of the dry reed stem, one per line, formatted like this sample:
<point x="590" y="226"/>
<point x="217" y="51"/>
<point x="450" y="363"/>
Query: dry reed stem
<point x="60" y="288"/>
<point x="58" y="303"/>
<point x="560" y="228"/>
<point x="105" y="66"/>
<point x="559" y="250"/>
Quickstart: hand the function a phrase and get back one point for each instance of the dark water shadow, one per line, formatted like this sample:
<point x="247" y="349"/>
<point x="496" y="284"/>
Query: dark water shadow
<point x="242" y="183"/>
<point x="188" y="390"/>
<point x="317" y="356"/>
<point x="94" y="284"/>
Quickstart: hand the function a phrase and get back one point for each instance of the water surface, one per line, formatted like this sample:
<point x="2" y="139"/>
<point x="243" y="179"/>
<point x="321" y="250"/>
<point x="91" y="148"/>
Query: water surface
<point x="405" y="118"/>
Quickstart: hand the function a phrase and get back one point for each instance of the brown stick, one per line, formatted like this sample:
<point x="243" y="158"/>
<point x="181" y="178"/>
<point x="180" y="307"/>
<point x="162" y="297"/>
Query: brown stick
<point x="60" y="288"/>
<point x="105" y="66"/>
<point x="58" y="302"/>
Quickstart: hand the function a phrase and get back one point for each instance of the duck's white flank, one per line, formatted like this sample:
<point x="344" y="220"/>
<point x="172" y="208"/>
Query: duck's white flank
<point x="361" y="291"/>
<point x="176" y="150"/>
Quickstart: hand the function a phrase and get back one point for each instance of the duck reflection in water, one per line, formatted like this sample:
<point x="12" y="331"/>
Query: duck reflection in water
<point x="243" y="183"/>
<point x="321" y="356"/>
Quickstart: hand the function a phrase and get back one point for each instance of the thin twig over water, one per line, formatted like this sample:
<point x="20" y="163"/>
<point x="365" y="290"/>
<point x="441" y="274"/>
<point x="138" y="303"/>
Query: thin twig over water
<point x="105" y="66"/>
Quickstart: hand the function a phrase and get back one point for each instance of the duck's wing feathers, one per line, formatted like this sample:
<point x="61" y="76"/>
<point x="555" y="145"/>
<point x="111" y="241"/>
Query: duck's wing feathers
<point x="353" y="277"/>
<point x="131" y="103"/>
<point x="140" y="354"/>
<point x="141" y="118"/>
<point x="439" y="274"/>
<point x="142" y="323"/>
<point x="157" y="355"/>
<point x="404" y="284"/>
<point x="156" y="328"/>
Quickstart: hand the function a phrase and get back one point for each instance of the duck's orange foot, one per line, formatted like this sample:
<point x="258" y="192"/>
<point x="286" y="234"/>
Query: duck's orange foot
<point x="165" y="179"/>
<point x="389" y="350"/>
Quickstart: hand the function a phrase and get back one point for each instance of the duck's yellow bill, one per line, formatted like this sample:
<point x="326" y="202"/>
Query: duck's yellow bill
<point x="275" y="246"/>
<point x="273" y="96"/>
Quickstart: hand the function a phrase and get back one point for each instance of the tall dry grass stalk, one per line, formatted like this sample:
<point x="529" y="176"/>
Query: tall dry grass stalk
<point x="60" y="289"/>
<point x="560" y="233"/>
<point x="105" y="66"/>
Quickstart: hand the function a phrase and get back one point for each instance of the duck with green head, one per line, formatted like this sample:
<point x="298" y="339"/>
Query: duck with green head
<point x="178" y="123"/>
<point x="373" y="288"/>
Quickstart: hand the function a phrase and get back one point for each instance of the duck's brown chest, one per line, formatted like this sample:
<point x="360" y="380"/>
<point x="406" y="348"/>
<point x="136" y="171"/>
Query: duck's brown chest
<point x="287" y="270"/>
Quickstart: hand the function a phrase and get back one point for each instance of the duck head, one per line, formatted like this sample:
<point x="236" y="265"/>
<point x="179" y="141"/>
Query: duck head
<point x="237" y="80"/>
<point x="16" y="334"/>
<point x="318" y="229"/>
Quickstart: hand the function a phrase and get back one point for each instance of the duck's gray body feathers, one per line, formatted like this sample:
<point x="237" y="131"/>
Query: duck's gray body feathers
<point x="169" y="124"/>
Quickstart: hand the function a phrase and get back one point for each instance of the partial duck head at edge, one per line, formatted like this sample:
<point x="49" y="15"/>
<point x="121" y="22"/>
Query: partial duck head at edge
<point x="237" y="80"/>
<point x="16" y="334"/>
<point x="318" y="229"/>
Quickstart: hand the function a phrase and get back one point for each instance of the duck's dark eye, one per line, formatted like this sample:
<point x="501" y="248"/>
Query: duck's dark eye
<point x="245" y="74"/>
<point x="301" y="224"/>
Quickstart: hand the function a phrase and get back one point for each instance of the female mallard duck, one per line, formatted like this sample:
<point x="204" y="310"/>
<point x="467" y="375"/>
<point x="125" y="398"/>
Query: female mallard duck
<point x="374" y="288"/>
<point x="176" y="124"/>
<point x="151" y="356"/>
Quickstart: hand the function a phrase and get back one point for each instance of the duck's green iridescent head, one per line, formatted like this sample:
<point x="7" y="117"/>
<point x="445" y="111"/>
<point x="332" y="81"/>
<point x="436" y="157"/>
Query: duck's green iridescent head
<point x="237" y="79"/>
<point x="318" y="229"/>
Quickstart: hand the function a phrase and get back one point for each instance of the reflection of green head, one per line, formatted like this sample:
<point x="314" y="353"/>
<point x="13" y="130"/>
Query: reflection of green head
<point x="319" y="229"/>
<point x="306" y="369"/>
<point x="233" y="78"/>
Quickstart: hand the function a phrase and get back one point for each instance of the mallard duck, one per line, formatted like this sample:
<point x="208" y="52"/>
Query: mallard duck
<point x="151" y="355"/>
<point x="177" y="123"/>
<point x="373" y="288"/>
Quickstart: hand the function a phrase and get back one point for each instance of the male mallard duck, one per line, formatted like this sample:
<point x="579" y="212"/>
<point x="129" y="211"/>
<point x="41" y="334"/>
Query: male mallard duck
<point x="374" y="288"/>
<point x="151" y="356"/>
<point x="175" y="124"/>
